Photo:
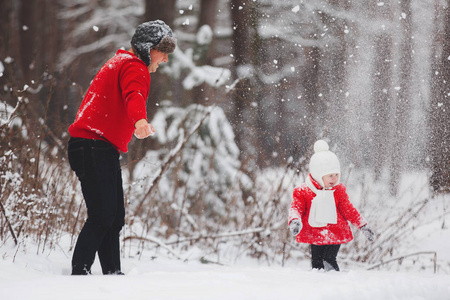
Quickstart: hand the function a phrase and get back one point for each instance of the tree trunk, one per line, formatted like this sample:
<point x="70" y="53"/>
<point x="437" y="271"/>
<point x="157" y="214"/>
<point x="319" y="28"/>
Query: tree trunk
<point x="333" y="73"/>
<point x="402" y="102"/>
<point x="241" y="48"/>
<point x="311" y="93"/>
<point x="160" y="10"/>
<point x="8" y="44"/>
<point x="439" y="145"/>
<point x="203" y="94"/>
<point x="381" y="98"/>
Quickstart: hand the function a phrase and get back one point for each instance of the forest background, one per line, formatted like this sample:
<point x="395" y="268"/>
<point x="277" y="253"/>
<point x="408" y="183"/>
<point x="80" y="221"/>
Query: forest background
<point x="252" y="85"/>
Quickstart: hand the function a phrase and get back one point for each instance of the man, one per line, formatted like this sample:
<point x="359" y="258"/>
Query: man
<point x="112" y="110"/>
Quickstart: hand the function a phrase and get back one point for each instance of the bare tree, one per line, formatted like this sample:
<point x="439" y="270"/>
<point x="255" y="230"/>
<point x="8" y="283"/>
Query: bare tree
<point x="333" y="71"/>
<point x="439" y="144"/>
<point x="160" y="10"/>
<point x="382" y="92"/>
<point x="402" y="105"/>
<point x="241" y="16"/>
<point x="207" y="16"/>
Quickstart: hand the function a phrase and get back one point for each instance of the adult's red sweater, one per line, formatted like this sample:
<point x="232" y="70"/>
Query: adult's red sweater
<point x="114" y="102"/>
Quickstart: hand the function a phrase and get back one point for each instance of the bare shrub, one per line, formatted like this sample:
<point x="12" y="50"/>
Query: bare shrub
<point x="37" y="191"/>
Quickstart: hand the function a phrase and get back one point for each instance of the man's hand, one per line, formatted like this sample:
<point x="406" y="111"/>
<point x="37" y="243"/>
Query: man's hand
<point x="143" y="129"/>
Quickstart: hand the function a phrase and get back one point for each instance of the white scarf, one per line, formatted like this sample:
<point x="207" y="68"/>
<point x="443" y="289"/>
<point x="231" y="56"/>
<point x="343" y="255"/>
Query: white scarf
<point x="323" y="207"/>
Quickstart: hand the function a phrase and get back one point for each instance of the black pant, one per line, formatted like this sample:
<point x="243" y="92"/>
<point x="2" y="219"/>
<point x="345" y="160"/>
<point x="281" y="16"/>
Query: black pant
<point x="97" y="166"/>
<point x="324" y="253"/>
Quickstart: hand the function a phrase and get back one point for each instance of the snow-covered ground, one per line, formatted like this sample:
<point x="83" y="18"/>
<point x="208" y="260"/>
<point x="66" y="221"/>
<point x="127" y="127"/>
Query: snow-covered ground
<point x="46" y="276"/>
<point x="29" y="273"/>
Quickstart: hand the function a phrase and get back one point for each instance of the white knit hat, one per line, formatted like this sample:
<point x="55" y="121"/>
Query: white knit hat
<point x="323" y="162"/>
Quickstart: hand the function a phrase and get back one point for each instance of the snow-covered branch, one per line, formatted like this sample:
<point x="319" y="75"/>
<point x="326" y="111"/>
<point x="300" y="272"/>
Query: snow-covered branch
<point x="70" y="55"/>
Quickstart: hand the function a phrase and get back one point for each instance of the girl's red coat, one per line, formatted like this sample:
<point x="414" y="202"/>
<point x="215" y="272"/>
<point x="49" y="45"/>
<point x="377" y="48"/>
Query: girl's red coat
<point x="115" y="101"/>
<point x="332" y="233"/>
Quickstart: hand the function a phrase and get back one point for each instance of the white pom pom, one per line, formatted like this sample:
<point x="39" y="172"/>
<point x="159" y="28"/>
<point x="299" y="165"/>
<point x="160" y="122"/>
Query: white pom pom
<point x="320" y="145"/>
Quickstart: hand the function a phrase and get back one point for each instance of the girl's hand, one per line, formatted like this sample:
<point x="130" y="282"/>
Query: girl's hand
<point x="295" y="227"/>
<point x="368" y="233"/>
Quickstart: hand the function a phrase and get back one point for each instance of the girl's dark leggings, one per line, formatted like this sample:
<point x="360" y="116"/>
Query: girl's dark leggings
<point x="324" y="253"/>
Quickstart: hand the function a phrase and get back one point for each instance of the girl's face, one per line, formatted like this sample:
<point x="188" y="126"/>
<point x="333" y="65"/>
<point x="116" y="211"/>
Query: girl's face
<point x="330" y="180"/>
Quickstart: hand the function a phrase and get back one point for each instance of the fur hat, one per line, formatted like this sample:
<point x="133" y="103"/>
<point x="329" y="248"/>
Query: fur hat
<point x="323" y="162"/>
<point x="152" y="35"/>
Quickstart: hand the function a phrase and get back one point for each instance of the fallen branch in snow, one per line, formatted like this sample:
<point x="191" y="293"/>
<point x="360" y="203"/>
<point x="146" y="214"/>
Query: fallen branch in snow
<point x="188" y="239"/>
<point x="219" y="235"/>
<point x="154" y="240"/>
<point x="400" y="258"/>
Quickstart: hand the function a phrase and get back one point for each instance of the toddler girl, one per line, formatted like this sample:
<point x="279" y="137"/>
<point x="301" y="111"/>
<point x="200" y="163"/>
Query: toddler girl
<point x="320" y="210"/>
